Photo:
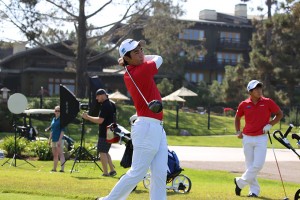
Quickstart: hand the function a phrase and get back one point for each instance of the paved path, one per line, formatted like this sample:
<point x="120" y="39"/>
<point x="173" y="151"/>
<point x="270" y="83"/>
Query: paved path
<point x="232" y="160"/>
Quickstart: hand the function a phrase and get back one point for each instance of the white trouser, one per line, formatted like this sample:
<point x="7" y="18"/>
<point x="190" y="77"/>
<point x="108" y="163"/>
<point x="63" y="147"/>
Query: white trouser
<point x="149" y="150"/>
<point x="255" y="150"/>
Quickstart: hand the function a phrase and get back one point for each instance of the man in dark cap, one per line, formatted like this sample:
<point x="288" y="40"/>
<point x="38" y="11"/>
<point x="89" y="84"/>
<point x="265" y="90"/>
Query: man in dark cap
<point x="106" y="116"/>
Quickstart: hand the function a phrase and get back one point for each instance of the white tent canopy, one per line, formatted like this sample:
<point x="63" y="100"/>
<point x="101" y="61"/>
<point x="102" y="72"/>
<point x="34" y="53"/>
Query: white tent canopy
<point x="118" y="96"/>
<point x="184" y="92"/>
<point x="173" y="98"/>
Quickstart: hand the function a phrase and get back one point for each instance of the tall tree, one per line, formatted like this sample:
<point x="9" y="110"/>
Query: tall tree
<point x="279" y="59"/>
<point x="163" y="30"/>
<point x="285" y="49"/>
<point x="34" y="17"/>
<point x="268" y="37"/>
<point x="165" y="86"/>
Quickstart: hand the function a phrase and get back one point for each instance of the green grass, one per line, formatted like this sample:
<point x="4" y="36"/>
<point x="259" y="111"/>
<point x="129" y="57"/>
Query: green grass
<point x="28" y="183"/>
<point x="194" y="123"/>
<point x="25" y="182"/>
<point x="216" y="141"/>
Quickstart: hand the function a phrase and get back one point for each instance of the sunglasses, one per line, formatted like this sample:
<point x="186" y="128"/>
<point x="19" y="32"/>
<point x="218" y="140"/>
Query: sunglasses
<point x="56" y="110"/>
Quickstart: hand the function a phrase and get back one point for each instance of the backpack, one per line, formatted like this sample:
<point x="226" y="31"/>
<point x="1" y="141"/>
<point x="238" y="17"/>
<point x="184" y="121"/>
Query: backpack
<point x="173" y="164"/>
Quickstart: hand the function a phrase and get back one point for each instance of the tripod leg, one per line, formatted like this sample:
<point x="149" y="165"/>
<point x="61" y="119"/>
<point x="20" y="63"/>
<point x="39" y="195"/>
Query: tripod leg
<point x="29" y="163"/>
<point x="92" y="158"/>
<point x="80" y="151"/>
<point x="14" y="159"/>
<point x="77" y="157"/>
<point x="69" y="157"/>
<point x="6" y="161"/>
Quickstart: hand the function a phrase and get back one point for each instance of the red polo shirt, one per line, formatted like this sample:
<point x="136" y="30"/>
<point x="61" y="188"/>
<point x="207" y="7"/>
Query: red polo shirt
<point x="256" y="116"/>
<point x="143" y="77"/>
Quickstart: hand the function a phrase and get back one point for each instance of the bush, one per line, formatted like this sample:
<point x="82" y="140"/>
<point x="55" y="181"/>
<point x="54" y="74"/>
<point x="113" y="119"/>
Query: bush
<point x="9" y="145"/>
<point x="292" y="117"/>
<point x="89" y="147"/>
<point x="48" y="102"/>
<point x="42" y="150"/>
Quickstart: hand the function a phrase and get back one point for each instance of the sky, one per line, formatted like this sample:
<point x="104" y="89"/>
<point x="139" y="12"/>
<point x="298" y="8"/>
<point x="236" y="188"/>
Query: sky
<point x="191" y="7"/>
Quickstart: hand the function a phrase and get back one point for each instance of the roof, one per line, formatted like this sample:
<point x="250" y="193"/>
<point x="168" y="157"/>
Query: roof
<point x="5" y="52"/>
<point x="226" y="20"/>
<point x="108" y="60"/>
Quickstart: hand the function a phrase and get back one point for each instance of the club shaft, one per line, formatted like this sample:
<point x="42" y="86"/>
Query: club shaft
<point x="277" y="165"/>
<point x="136" y="85"/>
<point x="288" y="130"/>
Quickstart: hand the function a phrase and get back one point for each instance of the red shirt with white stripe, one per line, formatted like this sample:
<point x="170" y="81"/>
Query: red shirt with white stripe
<point x="256" y="115"/>
<point x="143" y="77"/>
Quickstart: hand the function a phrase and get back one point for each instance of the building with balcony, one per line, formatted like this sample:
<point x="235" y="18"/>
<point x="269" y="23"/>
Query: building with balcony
<point x="226" y="40"/>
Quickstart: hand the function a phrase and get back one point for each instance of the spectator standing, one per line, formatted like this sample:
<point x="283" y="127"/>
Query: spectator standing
<point x="56" y="140"/>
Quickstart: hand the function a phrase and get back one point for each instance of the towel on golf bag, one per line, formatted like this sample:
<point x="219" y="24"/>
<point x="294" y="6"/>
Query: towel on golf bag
<point x="111" y="136"/>
<point x="173" y="163"/>
<point x="127" y="156"/>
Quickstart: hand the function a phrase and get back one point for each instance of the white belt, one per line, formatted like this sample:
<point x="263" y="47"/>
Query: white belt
<point x="150" y="119"/>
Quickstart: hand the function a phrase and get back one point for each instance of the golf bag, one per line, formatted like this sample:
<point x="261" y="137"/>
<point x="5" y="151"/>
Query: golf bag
<point x="69" y="142"/>
<point x="174" y="168"/>
<point x="127" y="156"/>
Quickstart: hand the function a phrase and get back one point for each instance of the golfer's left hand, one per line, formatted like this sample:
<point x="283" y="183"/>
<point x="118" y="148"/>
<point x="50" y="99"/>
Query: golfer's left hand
<point x="121" y="62"/>
<point x="267" y="128"/>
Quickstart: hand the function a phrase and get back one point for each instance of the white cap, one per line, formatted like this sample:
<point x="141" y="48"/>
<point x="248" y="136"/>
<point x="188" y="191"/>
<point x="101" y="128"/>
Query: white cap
<point x="129" y="45"/>
<point x="253" y="84"/>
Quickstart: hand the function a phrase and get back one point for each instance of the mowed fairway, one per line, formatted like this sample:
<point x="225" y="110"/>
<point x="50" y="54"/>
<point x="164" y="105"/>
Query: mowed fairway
<point x="25" y="182"/>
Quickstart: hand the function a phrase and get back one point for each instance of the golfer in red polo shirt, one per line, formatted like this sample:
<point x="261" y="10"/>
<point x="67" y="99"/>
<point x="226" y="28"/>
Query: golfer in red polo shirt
<point x="148" y="136"/>
<point x="257" y="111"/>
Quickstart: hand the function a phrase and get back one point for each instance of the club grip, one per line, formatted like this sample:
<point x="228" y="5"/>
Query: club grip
<point x="288" y="130"/>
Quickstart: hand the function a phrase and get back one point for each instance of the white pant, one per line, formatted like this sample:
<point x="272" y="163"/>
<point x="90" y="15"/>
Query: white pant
<point x="149" y="150"/>
<point x="255" y="150"/>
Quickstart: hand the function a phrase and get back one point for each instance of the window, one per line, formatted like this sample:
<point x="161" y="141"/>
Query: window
<point x="228" y="58"/>
<point x="219" y="78"/>
<point x="230" y="37"/>
<point x="200" y="77"/>
<point x="187" y="76"/>
<point x="194" y="77"/>
<point x="201" y="58"/>
<point x="53" y="85"/>
<point x="220" y="58"/>
<point x="192" y="34"/>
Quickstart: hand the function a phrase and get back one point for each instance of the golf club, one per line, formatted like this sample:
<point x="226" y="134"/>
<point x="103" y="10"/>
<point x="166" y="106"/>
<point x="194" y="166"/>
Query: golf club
<point x="286" y="198"/>
<point x="283" y="139"/>
<point x="155" y="105"/>
<point x="288" y="130"/>
<point x="297" y="195"/>
<point x="296" y="137"/>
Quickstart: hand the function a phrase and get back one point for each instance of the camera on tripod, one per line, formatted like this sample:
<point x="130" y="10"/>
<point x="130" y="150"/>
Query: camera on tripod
<point x="69" y="108"/>
<point x="84" y="106"/>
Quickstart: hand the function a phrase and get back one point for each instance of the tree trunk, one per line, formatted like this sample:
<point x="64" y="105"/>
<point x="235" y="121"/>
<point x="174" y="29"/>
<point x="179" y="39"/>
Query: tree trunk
<point x="81" y="60"/>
